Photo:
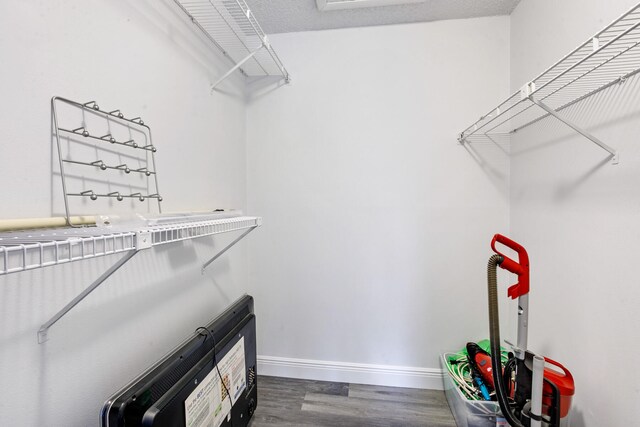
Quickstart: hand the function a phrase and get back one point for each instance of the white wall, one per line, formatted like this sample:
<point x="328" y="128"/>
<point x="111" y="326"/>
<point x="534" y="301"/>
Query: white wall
<point x="578" y="217"/>
<point x="371" y="260"/>
<point x="372" y="257"/>
<point x="144" y="58"/>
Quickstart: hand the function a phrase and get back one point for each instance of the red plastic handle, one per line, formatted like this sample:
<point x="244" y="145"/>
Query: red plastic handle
<point x="521" y="268"/>
<point x="563" y="380"/>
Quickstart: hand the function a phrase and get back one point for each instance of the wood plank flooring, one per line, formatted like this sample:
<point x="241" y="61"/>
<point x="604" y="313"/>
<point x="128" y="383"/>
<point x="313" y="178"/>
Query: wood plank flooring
<point x="292" y="402"/>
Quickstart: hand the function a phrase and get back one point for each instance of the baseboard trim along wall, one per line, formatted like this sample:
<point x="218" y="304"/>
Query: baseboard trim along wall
<point x="357" y="373"/>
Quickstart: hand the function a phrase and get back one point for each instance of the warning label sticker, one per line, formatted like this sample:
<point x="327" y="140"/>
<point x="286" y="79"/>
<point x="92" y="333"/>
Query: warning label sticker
<point x="209" y="404"/>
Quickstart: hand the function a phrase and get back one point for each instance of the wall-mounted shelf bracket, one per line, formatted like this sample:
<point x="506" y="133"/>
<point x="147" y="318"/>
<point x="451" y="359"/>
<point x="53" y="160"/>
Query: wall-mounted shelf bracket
<point x="601" y="62"/>
<point x="226" y="248"/>
<point x="614" y="153"/>
<point x="44" y="329"/>
<point x="231" y="27"/>
<point x="238" y="65"/>
<point x="163" y="230"/>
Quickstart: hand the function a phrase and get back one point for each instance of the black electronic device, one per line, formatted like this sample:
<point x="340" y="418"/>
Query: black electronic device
<point x="195" y="384"/>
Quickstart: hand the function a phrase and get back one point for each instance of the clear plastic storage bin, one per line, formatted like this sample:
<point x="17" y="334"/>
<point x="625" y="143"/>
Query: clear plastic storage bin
<point x="469" y="413"/>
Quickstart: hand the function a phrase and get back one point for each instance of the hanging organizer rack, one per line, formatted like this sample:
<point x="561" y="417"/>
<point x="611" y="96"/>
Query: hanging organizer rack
<point x="107" y="140"/>
<point x="233" y="29"/>
<point x="37" y="248"/>
<point x="608" y="58"/>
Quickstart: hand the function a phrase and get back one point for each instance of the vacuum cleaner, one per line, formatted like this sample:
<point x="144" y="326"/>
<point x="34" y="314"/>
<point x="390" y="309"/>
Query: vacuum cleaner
<point x="529" y="393"/>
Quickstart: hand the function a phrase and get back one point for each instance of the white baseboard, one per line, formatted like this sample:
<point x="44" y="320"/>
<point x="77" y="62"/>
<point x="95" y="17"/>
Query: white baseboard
<point x="356" y="373"/>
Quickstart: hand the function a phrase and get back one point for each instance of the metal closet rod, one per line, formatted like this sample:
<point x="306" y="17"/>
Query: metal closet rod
<point x="117" y="195"/>
<point x="109" y="138"/>
<point x="103" y="166"/>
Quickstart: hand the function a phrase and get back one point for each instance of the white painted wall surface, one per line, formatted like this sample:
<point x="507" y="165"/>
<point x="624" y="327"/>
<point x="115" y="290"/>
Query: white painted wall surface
<point x="578" y="217"/>
<point x="144" y="58"/>
<point x="372" y="257"/>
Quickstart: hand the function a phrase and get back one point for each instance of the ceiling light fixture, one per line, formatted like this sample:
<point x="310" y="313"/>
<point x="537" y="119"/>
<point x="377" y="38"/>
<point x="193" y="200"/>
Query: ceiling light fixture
<point x="327" y="5"/>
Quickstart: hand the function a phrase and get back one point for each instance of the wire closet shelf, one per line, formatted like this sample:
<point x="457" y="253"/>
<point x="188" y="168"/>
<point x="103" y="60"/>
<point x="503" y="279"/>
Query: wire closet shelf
<point x="608" y="58"/>
<point x="31" y="249"/>
<point x="30" y="244"/>
<point x="233" y="28"/>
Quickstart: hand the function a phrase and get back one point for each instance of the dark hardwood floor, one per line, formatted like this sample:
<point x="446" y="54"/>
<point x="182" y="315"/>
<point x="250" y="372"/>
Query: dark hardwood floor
<point x="292" y="402"/>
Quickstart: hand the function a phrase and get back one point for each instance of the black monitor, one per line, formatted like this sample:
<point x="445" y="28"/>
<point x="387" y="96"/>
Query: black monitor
<point x="196" y="384"/>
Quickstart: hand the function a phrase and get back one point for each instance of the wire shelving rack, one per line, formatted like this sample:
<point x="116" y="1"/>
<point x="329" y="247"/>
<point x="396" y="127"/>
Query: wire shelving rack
<point x="33" y="248"/>
<point x="608" y="58"/>
<point x="232" y="27"/>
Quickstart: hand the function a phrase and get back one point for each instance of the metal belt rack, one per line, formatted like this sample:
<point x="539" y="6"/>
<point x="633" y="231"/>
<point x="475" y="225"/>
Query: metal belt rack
<point x="231" y="26"/>
<point x="608" y="58"/>
<point x="37" y="248"/>
<point x="108" y="133"/>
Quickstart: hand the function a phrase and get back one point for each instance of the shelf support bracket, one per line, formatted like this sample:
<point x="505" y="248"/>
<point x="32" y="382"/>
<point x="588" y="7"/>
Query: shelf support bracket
<point x="235" y="67"/>
<point x="226" y="248"/>
<point x="614" y="153"/>
<point x="143" y="241"/>
<point x="42" y="332"/>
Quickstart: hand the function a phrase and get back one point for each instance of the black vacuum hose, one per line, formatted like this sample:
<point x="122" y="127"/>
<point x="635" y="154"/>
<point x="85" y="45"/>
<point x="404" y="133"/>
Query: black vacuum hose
<point x="494" y="337"/>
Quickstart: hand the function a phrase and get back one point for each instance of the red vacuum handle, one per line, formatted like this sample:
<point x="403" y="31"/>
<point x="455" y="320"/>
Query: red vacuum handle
<point x="521" y="268"/>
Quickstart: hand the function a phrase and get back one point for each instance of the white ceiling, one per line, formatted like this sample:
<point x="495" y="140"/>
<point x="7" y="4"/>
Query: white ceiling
<point x="283" y="16"/>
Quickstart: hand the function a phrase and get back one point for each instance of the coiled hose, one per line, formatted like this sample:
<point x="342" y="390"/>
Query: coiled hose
<point x="494" y="338"/>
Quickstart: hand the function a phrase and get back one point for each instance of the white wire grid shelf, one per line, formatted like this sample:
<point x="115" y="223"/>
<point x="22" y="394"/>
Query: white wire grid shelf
<point x="231" y="26"/>
<point x="608" y="58"/>
<point x="168" y="234"/>
<point x="31" y="249"/>
<point x="28" y="250"/>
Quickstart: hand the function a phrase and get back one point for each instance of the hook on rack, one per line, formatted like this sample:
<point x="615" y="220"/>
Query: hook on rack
<point x="117" y="195"/>
<point x="144" y="170"/>
<point x="81" y="131"/>
<point x="103" y="166"/>
<point x="150" y="147"/>
<point x="94" y="196"/>
<point x="100" y="164"/>
<point x="124" y="167"/>
<point x="131" y="143"/>
<point x="117" y="113"/>
<point x="109" y="137"/>
<point x="92" y="104"/>
<point x="138" y="120"/>
<point x="90" y="193"/>
<point x="138" y="195"/>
